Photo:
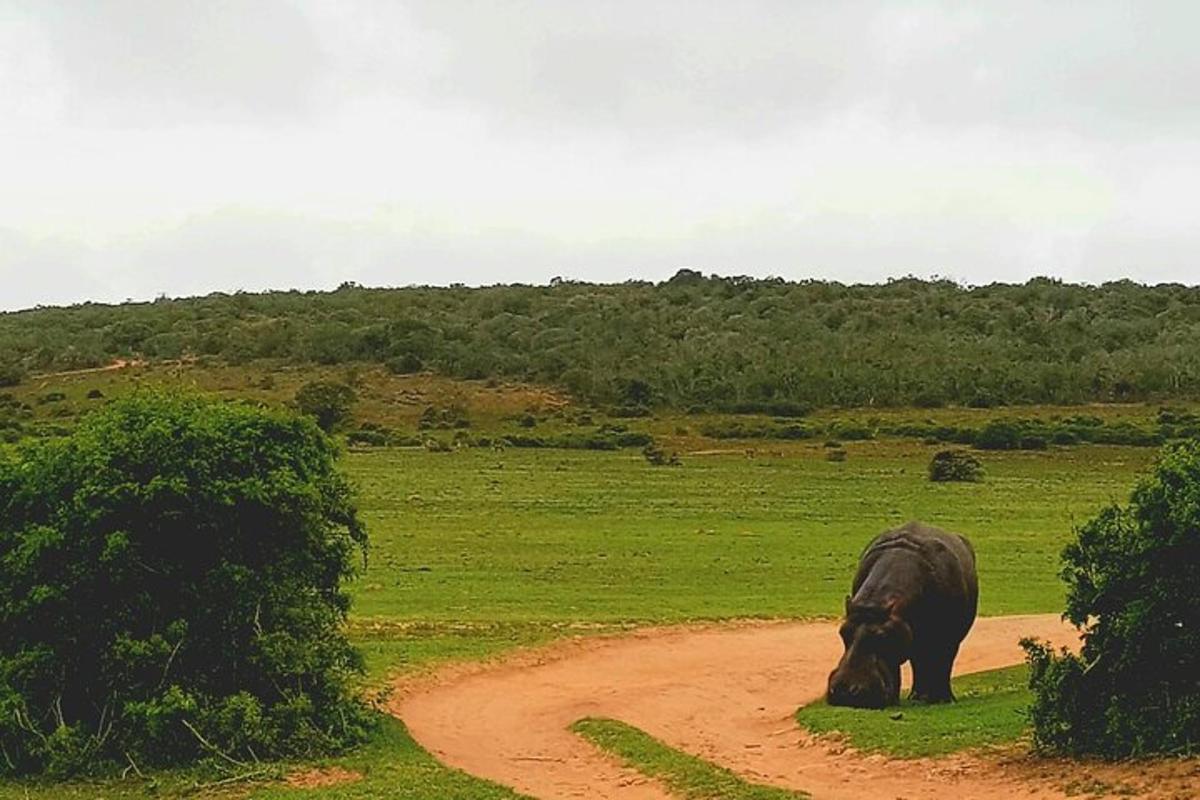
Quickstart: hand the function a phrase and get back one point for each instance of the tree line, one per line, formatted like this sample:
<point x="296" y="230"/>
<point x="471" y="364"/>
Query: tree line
<point x="692" y="342"/>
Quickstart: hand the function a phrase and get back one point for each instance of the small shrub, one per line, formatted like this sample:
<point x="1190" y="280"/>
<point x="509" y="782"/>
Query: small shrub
<point x="634" y="439"/>
<point x="327" y="402"/>
<point x="929" y="399"/>
<point x="1131" y="575"/>
<point x="629" y="412"/>
<point x="982" y="400"/>
<point x="999" y="435"/>
<point x="527" y="421"/>
<point x="658" y="457"/>
<point x="443" y="418"/>
<point x="11" y="373"/>
<point x="955" y="465"/>
<point x="405" y="364"/>
<point x="838" y="455"/>
<point x="51" y="397"/>
<point x="1064" y="436"/>
<point x="95" y="394"/>
<point x="520" y="440"/>
<point x="370" y="434"/>
<point x="794" y="432"/>
<point x="851" y="431"/>
<point x="1032" y="441"/>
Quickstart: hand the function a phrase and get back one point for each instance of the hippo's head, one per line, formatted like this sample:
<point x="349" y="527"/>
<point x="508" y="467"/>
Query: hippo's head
<point x="877" y="642"/>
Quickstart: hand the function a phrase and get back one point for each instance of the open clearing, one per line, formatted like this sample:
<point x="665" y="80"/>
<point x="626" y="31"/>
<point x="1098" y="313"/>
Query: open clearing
<point x="474" y="552"/>
<point x="726" y="694"/>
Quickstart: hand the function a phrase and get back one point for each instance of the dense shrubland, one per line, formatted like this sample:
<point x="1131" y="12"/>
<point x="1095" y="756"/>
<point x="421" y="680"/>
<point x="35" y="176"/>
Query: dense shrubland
<point x="170" y="589"/>
<point x="723" y="344"/>
<point x="1131" y="577"/>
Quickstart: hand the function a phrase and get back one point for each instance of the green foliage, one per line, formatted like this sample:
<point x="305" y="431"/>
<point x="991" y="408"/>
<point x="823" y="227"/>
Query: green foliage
<point x="1131" y="577"/>
<point x="955" y="465"/>
<point x="327" y="402"/>
<point x="990" y="710"/>
<point x="11" y="374"/>
<point x="169" y="587"/>
<point x="684" y="775"/>
<point x="712" y="343"/>
<point x="657" y="457"/>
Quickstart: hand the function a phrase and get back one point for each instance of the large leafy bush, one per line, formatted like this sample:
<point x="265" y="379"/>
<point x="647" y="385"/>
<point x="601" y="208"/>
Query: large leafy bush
<point x="1132" y="577"/>
<point x="169" y="587"/>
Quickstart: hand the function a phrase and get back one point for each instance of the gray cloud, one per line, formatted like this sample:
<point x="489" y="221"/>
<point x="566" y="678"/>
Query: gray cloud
<point x="1104" y="68"/>
<point x="149" y="62"/>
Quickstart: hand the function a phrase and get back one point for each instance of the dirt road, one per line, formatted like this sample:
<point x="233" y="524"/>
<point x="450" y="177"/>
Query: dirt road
<point x="725" y="693"/>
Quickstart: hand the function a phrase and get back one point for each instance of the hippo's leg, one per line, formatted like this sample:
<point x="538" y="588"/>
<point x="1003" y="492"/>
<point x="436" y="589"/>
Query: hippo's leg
<point x="931" y="675"/>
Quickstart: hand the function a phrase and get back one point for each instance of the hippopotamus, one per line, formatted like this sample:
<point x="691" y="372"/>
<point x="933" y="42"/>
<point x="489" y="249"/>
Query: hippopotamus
<point x="914" y="598"/>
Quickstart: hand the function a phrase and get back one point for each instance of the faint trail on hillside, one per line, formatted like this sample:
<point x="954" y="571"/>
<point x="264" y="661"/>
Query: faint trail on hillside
<point x="724" y="693"/>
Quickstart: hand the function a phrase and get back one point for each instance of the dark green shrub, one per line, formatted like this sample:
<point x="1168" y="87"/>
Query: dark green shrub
<point x="370" y="435"/>
<point x="955" y="465"/>
<point x="521" y="440"/>
<point x="999" y="435"/>
<point x="95" y="394"/>
<point x="629" y="412"/>
<point x="1064" y="436"/>
<point x="1131" y="576"/>
<point x="327" y="402"/>
<point x="657" y="457"/>
<point x="851" y="431"/>
<point x="982" y="400"/>
<point x="169" y="572"/>
<point x="774" y="408"/>
<point x="837" y="455"/>
<point x="51" y="397"/>
<point x="1125" y="433"/>
<point x="1033" y="441"/>
<point x="435" y="445"/>
<point x="405" y="364"/>
<point x="794" y="432"/>
<point x="929" y="399"/>
<point x="11" y="373"/>
<point x="445" y="418"/>
<point x="634" y="439"/>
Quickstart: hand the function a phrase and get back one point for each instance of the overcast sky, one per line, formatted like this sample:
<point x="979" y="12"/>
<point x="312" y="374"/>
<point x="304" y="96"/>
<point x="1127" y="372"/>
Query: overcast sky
<point x="184" y="146"/>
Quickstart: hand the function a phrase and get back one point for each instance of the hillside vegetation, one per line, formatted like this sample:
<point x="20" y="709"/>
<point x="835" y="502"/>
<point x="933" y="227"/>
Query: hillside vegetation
<point x="723" y="344"/>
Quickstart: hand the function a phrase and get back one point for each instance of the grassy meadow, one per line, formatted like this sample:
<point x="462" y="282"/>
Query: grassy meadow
<point x="477" y="550"/>
<point x="543" y="536"/>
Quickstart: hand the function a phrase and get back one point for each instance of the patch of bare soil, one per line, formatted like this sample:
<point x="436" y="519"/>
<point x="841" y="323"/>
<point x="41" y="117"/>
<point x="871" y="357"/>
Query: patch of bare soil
<point x="727" y="694"/>
<point x="321" y="778"/>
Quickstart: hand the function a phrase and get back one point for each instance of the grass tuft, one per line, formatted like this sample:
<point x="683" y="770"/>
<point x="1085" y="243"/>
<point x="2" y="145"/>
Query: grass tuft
<point x="684" y="775"/>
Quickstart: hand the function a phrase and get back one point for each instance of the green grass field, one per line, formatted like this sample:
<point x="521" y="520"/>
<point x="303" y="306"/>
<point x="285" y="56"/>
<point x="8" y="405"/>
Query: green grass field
<point x="537" y="536"/>
<point x="474" y="552"/>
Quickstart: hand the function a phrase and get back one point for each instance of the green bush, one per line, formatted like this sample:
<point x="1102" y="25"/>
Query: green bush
<point x="327" y="402"/>
<point x="1131" y="577"/>
<point x="11" y="373"/>
<point x="170" y="577"/>
<point x="955" y="465"/>
<point x="657" y="457"/>
<point x="999" y="435"/>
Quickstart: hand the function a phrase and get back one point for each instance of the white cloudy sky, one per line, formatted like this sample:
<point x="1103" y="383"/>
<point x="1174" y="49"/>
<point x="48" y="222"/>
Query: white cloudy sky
<point x="186" y="146"/>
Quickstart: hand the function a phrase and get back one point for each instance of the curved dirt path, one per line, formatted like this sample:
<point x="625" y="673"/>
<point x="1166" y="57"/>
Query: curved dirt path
<point x="725" y="693"/>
